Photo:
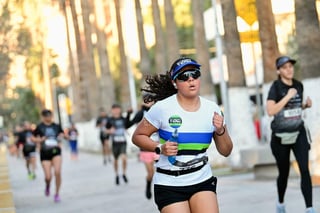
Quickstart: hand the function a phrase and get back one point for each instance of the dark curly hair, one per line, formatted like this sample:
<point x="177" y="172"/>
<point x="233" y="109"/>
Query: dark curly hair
<point x="158" y="87"/>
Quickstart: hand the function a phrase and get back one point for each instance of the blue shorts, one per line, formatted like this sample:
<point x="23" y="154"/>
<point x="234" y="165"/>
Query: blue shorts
<point x="73" y="146"/>
<point x="166" y="195"/>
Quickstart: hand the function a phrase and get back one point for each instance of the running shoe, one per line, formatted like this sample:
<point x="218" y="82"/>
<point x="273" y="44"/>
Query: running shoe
<point x="117" y="180"/>
<point x="280" y="208"/>
<point x="30" y="176"/>
<point x="104" y="161"/>
<point x="310" y="210"/>
<point x="125" y="179"/>
<point x="47" y="191"/>
<point x="57" y="198"/>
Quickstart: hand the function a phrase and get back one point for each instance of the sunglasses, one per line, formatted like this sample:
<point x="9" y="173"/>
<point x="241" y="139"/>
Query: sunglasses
<point x="185" y="75"/>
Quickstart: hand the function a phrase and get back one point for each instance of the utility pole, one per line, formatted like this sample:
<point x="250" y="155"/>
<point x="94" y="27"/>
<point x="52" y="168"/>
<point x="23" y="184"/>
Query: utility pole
<point x="219" y="52"/>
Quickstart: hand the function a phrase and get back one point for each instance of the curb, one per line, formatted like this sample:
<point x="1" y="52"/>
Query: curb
<point x="6" y="195"/>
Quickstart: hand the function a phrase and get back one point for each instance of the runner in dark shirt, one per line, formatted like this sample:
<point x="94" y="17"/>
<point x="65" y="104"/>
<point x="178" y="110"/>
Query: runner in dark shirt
<point x="104" y="136"/>
<point x="29" y="149"/>
<point x="116" y="127"/>
<point x="49" y="135"/>
<point x="285" y="103"/>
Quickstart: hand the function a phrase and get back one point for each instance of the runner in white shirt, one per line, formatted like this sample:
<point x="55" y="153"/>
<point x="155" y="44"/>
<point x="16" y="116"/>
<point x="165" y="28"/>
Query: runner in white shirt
<point x="183" y="181"/>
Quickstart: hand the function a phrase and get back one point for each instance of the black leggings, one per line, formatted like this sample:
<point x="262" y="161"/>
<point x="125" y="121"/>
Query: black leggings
<point x="282" y="155"/>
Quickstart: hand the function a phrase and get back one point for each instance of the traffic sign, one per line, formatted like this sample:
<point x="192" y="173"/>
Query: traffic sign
<point x="246" y="9"/>
<point x="249" y="36"/>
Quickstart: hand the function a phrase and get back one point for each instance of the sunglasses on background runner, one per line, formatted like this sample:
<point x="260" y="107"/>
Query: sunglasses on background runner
<point x="185" y="75"/>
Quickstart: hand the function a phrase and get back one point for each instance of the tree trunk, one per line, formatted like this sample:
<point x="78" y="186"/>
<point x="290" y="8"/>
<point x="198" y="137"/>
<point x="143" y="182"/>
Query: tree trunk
<point x="202" y="48"/>
<point x="145" y="63"/>
<point x="84" y="114"/>
<point x="124" y="81"/>
<point x="241" y="118"/>
<point x="160" y="46"/>
<point x="106" y="86"/>
<point x="232" y="45"/>
<point x="94" y="99"/>
<point x="268" y="39"/>
<point x="308" y="38"/>
<point x="48" y="98"/>
<point x="72" y="69"/>
<point x="171" y="28"/>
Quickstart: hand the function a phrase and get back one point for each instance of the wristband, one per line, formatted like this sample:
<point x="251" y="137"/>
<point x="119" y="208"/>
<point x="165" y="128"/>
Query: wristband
<point x="224" y="130"/>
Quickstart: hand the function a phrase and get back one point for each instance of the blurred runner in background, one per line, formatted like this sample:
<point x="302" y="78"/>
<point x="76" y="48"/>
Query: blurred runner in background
<point x="49" y="135"/>
<point x="104" y="137"/>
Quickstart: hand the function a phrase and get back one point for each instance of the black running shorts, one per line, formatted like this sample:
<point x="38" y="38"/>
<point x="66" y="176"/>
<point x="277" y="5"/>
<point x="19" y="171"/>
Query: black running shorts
<point x="166" y="195"/>
<point x="29" y="151"/>
<point x="118" y="149"/>
<point x="49" y="153"/>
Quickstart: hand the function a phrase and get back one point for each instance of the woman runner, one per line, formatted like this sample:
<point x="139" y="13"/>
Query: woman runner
<point x="186" y="123"/>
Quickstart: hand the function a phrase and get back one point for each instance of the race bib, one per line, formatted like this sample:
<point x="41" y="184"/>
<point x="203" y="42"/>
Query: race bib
<point x="51" y="142"/>
<point x="73" y="136"/>
<point x="119" y="138"/>
<point x="29" y="142"/>
<point x="292" y="112"/>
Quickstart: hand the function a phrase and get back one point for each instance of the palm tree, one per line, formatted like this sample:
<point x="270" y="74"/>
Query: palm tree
<point x="73" y="69"/>
<point x="171" y="29"/>
<point x="47" y="84"/>
<point x="202" y="48"/>
<point x="41" y="83"/>
<point x="160" y="46"/>
<point x="94" y="98"/>
<point x="308" y="37"/>
<point x="84" y="112"/>
<point x="124" y="90"/>
<point x="270" y="50"/>
<point x="268" y="38"/>
<point x="106" y="86"/>
<point x="145" y="63"/>
<point x="240" y="114"/>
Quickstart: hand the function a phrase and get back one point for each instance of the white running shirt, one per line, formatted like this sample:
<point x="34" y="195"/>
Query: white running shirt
<point x="195" y="132"/>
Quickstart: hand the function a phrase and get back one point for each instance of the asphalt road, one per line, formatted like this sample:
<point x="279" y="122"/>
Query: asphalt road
<point x="89" y="186"/>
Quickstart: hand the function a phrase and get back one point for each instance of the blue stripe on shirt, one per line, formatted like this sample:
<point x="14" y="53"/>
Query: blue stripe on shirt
<point x="194" y="137"/>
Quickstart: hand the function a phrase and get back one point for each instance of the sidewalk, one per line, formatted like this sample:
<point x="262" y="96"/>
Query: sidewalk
<point x="89" y="186"/>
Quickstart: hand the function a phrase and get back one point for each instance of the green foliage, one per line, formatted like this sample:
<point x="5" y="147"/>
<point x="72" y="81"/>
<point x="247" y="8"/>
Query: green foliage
<point x="24" y="41"/>
<point x="5" y="31"/>
<point x="54" y="70"/>
<point x="207" y="4"/>
<point x="182" y="13"/>
<point x="22" y="106"/>
<point x="185" y="36"/>
<point x="33" y="62"/>
<point x="4" y="64"/>
<point x="5" y="17"/>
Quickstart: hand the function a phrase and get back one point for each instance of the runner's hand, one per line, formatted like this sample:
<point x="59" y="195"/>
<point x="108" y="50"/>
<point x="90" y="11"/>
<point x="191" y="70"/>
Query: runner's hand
<point x="169" y="148"/>
<point x="292" y="92"/>
<point x="308" y="103"/>
<point x="217" y="122"/>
